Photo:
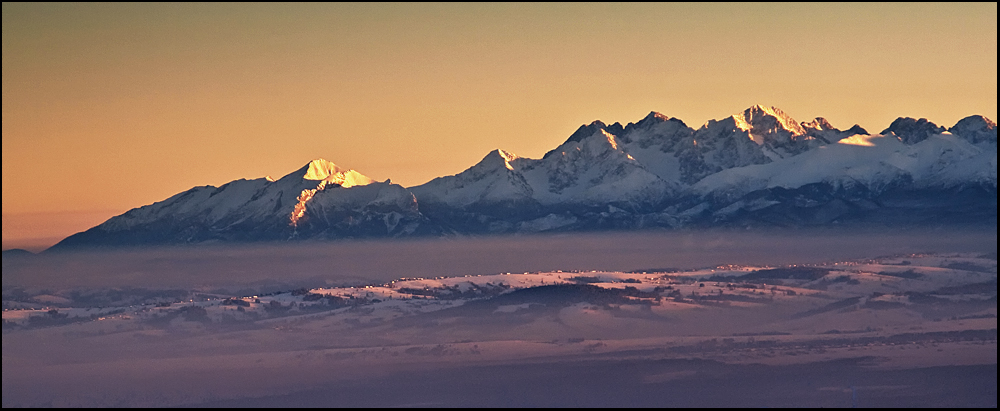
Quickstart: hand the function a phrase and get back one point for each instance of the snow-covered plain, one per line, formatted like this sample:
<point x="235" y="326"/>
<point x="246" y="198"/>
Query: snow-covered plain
<point x="692" y="336"/>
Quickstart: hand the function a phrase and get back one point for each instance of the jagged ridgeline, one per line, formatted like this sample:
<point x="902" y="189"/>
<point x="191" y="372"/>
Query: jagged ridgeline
<point x="758" y="167"/>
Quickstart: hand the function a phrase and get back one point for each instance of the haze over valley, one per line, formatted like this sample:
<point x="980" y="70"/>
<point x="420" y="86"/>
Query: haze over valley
<point x="398" y="323"/>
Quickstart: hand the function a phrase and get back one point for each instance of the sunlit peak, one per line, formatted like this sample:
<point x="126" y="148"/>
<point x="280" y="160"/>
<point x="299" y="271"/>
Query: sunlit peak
<point x="507" y="158"/>
<point x="748" y="117"/>
<point x="611" y="139"/>
<point x="329" y="172"/>
<point x="656" y="115"/>
<point x="320" y="169"/>
<point x="326" y="173"/>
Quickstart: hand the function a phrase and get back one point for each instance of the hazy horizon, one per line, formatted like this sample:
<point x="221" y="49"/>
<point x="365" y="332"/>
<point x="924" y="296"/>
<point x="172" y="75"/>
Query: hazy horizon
<point x="356" y="262"/>
<point x="897" y="317"/>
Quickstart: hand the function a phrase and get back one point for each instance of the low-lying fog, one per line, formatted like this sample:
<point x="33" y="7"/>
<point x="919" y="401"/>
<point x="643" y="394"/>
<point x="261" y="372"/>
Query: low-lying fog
<point x="266" y="325"/>
<point x="361" y="262"/>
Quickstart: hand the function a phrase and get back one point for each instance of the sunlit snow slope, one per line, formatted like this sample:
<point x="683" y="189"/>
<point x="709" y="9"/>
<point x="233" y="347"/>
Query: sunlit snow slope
<point x="758" y="167"/>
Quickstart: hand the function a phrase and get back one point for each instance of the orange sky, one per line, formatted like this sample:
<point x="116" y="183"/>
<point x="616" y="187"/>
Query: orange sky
<point x="107" y="107"/>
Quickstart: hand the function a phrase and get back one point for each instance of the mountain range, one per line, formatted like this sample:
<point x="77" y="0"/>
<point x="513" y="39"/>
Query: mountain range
<point x="756" y="168"/>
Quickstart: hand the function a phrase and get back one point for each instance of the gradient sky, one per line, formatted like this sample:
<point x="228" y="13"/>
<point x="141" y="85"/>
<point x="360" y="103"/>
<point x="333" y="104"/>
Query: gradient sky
<point x="107" y="107"/>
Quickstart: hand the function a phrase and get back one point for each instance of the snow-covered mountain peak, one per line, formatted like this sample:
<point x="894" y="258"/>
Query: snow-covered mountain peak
<point x="978" y="121"/>
<point x="653" y="117"/>
<point x="857" y="129"/>
<point x="820" y="124"/>
<point x="911" y="131"/>
<point x="508" y="156"/>
<point x="499" y="158"/>
<point x="320" y="169"/>
<point x="323" y="170"/>
<point x="595" y="135"/>
<point x="597" y="143"/>
<point x="975" y="129"/>
<point x="758" y="119"/>
<point x="821" y="129"/>
<point x="652" y="121"/>
<point x="758" y="166"/>
<point x="587" y="130"/>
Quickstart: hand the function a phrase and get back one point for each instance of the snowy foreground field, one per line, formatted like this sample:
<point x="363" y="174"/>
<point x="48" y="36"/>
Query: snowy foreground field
<point x="906" y="330"/>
